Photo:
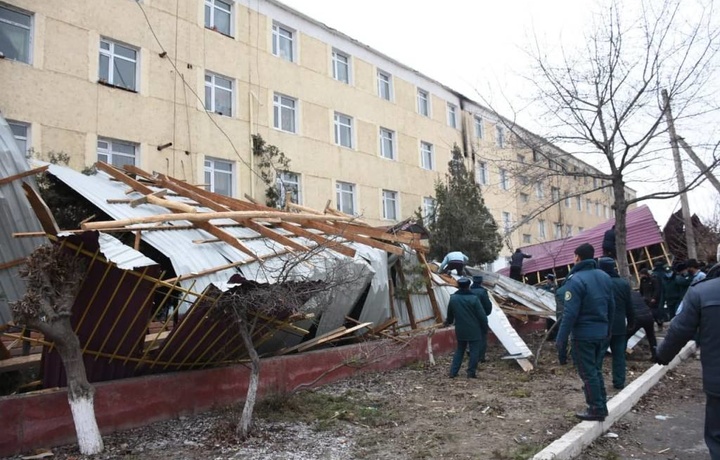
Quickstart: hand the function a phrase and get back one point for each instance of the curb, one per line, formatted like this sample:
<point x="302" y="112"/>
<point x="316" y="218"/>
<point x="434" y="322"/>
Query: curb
<point x="572" y="443"/>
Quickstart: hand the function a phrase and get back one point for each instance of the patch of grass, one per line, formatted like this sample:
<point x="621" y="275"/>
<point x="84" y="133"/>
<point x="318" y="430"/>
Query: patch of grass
<point x="611" y="456"/>
<point x="523" y="452"/>
<point x="326" y="410"/>
<point x="520" y="393"/>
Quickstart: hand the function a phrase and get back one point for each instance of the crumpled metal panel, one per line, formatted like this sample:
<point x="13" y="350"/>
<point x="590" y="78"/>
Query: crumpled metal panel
<point x="125" y="257"/>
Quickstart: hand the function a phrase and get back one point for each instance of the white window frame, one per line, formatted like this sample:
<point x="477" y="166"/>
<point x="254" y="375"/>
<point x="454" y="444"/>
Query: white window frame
<point x="527" y="239"/>
<point x="541" y="228"/>
<point x="423" y="103"/>
<point x="337" y="57"/>
<point x="578" y="203"/>
<point x="213" y="6"/>
<point x="391" y="205"/>
<point x="588" y="206"/>
<point x="112" y="56"/>
<point x="20" y="138"/>
<point x="539" y="190"/>
<point x="429" y="204"/>
<point x="568" y="230"/>
<point x="555" y="193"/>
<point x="342" y="195"/>
<point x="568" y="201"/>
<point x="427" y="156"/>
<point x="281" y="105"/>
<point x="452" y="120"/>
<point x="110" y="152"/>
<point x="482" y="173"/>
<point x="598" y="209"/>
<point x="479" y="127"/>
<point x="558" y="230"/>
<point x="214" y="88"/>
<point x="388" y="149"/>
<point x="504" y="179"/>
<point x="29" y="29"/>
<point x="606" y="210"/>
<point x="344" y="122"/>
<point x="292" y="180"/>
<point x="210" y="186"/>
<point x="385" y="85"/>
<point x="282" y="33"/>
<point x="507" y="219"/>
<point x="500" y="136"/>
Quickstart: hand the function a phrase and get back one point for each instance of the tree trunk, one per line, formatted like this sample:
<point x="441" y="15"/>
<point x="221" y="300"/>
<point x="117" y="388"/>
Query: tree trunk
<point x="245" y="425"/>
<point x="80" y="393"/>
<point x="621" y="230"/>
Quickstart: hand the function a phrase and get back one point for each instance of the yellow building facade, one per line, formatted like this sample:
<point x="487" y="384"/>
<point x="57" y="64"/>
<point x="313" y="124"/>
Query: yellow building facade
<point x="180" y="87"/>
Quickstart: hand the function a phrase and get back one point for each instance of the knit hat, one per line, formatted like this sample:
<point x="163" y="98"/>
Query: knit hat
<point x="585" y="251"/>
<point x="692" y="263"/>
<point x="477" y="279"/>
<point x="550" y="276"/>
<point x="463" y="283"/>
<point x="606" y="264"/>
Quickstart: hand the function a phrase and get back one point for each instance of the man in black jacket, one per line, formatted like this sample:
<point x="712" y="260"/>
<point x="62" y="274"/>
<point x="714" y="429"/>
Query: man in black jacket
<point x="516" y="263"/>
<point x="701" y="315"/>
<point x="482" y="295"/>
<point x="643" y="320"/>
<point x="624" y="316"/>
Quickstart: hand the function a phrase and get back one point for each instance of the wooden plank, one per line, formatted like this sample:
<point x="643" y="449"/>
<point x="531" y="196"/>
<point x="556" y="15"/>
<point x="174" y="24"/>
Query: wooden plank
<point x="12" y="263"/>
<point x="31" y="172"/>
<point x="311" y="341"/>
<point x="41" y="210"/>
<point x="429" y="288"/>
<point x="333" y="230"/>
<point x="326" y="338"/>
<point x="408" y="304"/>
<point x="19" y="363"/>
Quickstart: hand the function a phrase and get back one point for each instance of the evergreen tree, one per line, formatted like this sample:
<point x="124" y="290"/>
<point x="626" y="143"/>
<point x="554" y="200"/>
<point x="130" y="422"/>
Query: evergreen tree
<point x="461" y="221"/>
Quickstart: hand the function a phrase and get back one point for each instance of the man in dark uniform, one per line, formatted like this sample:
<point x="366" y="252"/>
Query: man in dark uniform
<point x="701" y="315"/>
<point x="643" y="320"/>
<point x="675" y="286"/>
<point x="588" y="311"/>
<point x="550" y="286"/>
<point x="484" y="298"/>
<point x="623" y="312"/>
<point x="471" y="325"/>
<point x="516" y="263"/>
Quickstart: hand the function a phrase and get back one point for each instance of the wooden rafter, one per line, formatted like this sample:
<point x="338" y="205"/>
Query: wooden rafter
<point x="333" y="230"/>
<point x="31" y="172"/>
<point x="47" y="221"/>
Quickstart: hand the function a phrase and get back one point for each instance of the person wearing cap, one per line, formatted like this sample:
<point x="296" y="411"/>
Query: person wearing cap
<point x="608" y="243"/>
<point x="589" y="306"/>
<point x="659" y="275"/>
<point x="623" y="318"/>
<point x="484" y="298"/>
<point x="643" y="320"/>
<point x="550" y="286"/>
<point x="675" y="286"/>
<point x="516" y="263"/>
<point x="455" y="260"/>
<point x="650" y="290"/>
<point x="471" y="325"/>
<point x="700" y="319"/>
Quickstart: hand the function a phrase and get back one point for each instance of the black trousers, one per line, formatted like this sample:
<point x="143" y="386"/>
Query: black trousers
<point x="456" y="265"/>
<point x="516" y="273"/>
<point x="649" y="328"/>
<point x="712" y="425"/>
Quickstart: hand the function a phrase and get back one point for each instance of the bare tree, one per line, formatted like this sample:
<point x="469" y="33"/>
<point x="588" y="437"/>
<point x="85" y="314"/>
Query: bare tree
<point x="305" y="282"/>
<point x="53" y="279"/>
<point x="603" y="101"/>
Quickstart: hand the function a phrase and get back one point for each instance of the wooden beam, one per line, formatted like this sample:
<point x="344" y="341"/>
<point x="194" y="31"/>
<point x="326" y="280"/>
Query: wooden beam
<point x="20" y="362"/>
<point x="328" y="337"/>
<point x="428" y="287"/>
<point x="408" y="304"/>
<point x="47" y="221"/>
<point x="31" y="172"/>
<point x="12" y="263"/>
<point x="333" y="230"/>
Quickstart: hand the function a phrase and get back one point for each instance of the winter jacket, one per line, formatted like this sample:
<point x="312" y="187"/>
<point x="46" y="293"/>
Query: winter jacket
<point x="658" y="276"/>
<point x="516" y="259"/>
<point x="608" y="244"/>
<point x="651" y="290"/>
<point x="623" y="305"/>
<point x="455" y="256"/>
<point x="465" y="311"/>
<point x="483" y="296"/>
<point x="643" y="315"/>
<point x="588" y="304"/>
<point x="674" y="289"/>
<point x="700" y="314"/>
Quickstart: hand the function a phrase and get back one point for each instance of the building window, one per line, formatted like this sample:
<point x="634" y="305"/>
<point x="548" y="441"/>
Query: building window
<point x="500" y="136"/>
<point x="118" y="65"/>
<point x="345" y="197"/>
<point x="390" y="205"/>
<point x="524" y="198"/>
<point x="521" y="159"/>
<point x="283" y="42"/>
<point x="598" y="209"/>
<point x="567" y="201"/>
<point x="387" y="144"/>
<point x="558" y="230"/>
<point x="539" y="190"/>
<point x="452" y="115"/>
<point x="541" y="228"/>
<point x="218" y="16"/>
<point x="506" y="221"/>
<point x="218" y="94"/>
<point x="15" y="34"/>
<point x="524" y="219"/>
<point x="504" y="180"/>
<point x="606" y="211"/>
<point x="384" y="85"/>
<point x="428" y="209"/>
<point x="588" y="206"/>
<point x="219" y="176"/>
<point x="284" y="113"/>
<point x="21" y="133"/>
<point x="427" y="155"/>
<point x="343" y="130"/>
<point x="595" y="182"/>
<point x="423" y="101"/>
<point x="555" y="192"/>
<point x="482" y="173"/>
<point x="117" y="153"/>
<point x="479" y="129"/>
<point x="568" y="231"/>
<point x="581" y="229"/>
<point x="287" y="181"/>
<point x="578" y="203"/>
<point x="527" y="238"/>
<point x="341" y="66"/>
<point x="536" y="155"/>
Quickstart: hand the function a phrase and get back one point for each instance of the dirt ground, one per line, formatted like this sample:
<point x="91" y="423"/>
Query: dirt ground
<point x="416" y="412"/>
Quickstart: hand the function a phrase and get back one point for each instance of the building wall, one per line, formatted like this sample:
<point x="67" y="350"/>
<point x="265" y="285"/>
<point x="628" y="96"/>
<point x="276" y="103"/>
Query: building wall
<point x="59" y="95"/>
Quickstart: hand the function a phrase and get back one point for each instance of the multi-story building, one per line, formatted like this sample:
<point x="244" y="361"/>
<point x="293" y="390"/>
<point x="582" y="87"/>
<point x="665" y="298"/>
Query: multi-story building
<point x="180" y="87"/>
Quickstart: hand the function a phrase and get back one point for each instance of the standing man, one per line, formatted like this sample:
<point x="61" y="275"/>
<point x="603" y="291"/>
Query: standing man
<point x="693" y="268"/>
<point x="550" y="286"/>
<point x="675" y="286"/>
<point x="471" y="325"/>
<point x="516" y="262"/>
<point x="608" y="244"/>
<point x="484" y="298"/>
<point x="644" y="320"/>
<point x="588" y="311"/>
<point x="455" y="260"/>
<point x="623" y="311"/>
<point x="701" y="316"/>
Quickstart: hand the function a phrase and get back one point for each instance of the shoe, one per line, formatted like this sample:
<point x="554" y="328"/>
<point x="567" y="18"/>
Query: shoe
<point x="587" y="416"/>
<point x="472" y="376"/>
<point x="452" y="376"/>
<point x="618" y="387"/>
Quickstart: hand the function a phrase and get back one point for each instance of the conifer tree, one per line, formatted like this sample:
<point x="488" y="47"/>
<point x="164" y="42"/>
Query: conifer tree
<point x="461" y="221"/>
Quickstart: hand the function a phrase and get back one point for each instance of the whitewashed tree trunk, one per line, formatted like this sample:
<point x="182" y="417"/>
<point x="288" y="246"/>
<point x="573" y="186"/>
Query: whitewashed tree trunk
<point x="86" y="427"/>
<point x="245" y="425"/>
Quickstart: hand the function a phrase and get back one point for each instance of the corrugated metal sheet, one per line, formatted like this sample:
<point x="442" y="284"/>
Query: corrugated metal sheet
<point x="642" y="231"/>
<point x="125" y="257"/>
<point x="15" y="216"/>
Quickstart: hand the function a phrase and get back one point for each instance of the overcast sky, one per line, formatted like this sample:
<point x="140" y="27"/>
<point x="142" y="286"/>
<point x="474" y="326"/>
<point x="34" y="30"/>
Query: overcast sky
<point x="477" y="48"/>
